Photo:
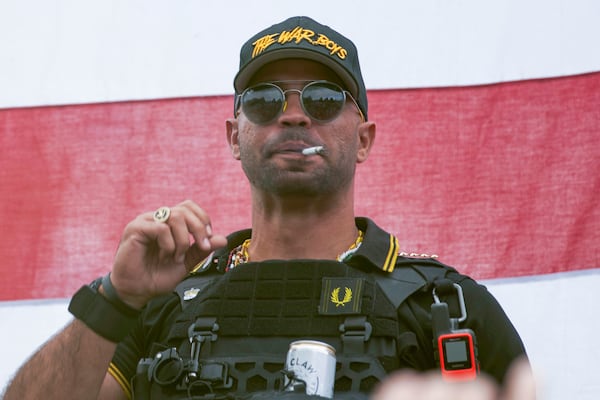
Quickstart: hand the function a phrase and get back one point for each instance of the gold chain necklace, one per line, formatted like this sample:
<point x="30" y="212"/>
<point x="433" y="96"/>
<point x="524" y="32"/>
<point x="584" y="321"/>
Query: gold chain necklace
<point x="240" y="254"/>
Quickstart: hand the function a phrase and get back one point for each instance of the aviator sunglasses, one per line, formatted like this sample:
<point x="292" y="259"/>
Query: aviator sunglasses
<point x="322" y="101"/>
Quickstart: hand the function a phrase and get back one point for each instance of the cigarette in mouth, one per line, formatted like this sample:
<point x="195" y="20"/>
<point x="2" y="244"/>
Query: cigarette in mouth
<point x="309" y="151"/>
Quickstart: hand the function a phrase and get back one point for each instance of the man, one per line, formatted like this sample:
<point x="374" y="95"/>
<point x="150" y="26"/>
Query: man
<point x="308" y="268"/>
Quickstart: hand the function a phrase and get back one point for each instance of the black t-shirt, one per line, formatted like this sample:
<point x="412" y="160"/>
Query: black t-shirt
<point x="498" y="342"/>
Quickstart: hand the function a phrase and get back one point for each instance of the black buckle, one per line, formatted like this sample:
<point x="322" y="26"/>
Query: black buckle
<point x="200" y="332"/>
<point x="212" y="376"/>
<point x="355" y="331"/>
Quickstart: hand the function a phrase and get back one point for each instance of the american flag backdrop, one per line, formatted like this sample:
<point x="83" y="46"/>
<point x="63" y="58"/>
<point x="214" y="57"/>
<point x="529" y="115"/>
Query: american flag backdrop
<point x="487" y="150"/>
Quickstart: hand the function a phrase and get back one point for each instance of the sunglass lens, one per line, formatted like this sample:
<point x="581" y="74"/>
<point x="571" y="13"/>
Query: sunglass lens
<point x="262" y="103"/>
<point x="323" y="101"/>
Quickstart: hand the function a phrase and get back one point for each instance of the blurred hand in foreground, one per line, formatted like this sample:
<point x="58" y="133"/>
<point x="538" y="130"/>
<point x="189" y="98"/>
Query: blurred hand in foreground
<point x="519" y="385"/>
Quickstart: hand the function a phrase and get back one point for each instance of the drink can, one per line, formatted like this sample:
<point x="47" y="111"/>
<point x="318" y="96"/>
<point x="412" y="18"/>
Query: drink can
<point x="312" y="363"/>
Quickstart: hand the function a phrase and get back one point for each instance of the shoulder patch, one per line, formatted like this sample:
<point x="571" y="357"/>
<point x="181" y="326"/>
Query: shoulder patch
<point x="190" y="293"/>
<point x="341" y="296"/>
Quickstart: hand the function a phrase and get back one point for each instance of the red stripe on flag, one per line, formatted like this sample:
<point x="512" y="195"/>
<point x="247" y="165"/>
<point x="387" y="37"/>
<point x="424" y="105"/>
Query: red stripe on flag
<point x="500" y="180"/>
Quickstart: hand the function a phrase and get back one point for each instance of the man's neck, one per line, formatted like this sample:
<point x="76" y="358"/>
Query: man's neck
<point x="311" y="231"/>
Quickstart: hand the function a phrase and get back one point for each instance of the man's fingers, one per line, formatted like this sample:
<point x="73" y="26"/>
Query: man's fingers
<point x="520" y="382"/>
<point x="399" y="386"/>
<point x="186" y="220"/>
<point x="409" y="385"/>
<point x="183" y="220"/>
<point x="178" y="224"/>
<point x="198" y="224"/>
<point x="195" y="254"/>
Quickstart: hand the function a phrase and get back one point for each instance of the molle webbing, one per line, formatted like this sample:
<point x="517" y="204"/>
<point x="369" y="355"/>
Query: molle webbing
<point x="277" y="298"/>
<point x="248" y="316"/>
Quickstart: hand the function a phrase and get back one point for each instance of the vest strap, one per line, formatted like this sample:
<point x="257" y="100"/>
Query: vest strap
<point x="356" y="330"/>
<point x="201" y="333"/>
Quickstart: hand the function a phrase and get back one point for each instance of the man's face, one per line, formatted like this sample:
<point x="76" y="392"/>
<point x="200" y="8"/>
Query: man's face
<point x="270" y="153"/>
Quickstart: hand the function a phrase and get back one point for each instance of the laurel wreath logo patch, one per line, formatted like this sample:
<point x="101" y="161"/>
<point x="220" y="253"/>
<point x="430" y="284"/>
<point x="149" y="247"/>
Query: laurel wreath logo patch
<point x="335" y="296"/>
<point x="341" y="295"/>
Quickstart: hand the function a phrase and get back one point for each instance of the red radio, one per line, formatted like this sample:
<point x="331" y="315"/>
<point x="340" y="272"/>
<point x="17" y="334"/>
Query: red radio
<point x="458" y="355"/>
<point x="455" y="349"/>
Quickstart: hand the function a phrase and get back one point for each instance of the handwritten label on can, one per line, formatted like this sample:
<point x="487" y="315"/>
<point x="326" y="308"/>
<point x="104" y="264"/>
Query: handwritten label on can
<point x="311" y="363"/>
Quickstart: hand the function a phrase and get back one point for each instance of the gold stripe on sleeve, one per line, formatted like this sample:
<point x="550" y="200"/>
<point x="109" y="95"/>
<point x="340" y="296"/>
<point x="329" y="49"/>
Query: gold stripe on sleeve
<point x="120" y="378"/>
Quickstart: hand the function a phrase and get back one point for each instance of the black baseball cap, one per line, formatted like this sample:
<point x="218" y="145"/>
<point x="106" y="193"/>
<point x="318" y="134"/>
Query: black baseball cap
<point x="303" y="37"/>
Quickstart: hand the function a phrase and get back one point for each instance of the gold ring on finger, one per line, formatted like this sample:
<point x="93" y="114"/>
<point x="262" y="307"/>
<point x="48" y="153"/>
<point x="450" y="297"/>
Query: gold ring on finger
<point x="162" y="214"/>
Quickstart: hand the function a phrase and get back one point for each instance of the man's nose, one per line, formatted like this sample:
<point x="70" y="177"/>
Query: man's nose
<point x="293" y="113"/>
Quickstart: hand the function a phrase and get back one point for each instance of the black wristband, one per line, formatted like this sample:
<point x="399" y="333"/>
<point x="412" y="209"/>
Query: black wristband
<point x="111" y="294"/>
<point x="109" y="320"/>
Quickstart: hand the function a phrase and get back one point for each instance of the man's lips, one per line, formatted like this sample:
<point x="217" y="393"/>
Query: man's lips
<point x="291" y="148"/>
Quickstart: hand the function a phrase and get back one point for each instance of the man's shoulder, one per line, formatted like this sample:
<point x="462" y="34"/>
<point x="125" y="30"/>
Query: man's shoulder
<point x="426" y="264"/>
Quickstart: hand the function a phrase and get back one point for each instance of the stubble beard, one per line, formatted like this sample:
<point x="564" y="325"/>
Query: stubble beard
<point x="269" y="177"/>
<point x="292" y="183"/>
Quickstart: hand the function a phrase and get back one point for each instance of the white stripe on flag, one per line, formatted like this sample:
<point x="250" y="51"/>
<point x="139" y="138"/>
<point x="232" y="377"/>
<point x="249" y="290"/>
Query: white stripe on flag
<point x="67" y="52"/>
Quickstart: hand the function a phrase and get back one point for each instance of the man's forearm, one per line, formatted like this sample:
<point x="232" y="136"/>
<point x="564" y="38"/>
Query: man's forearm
<point x="71" y="365"/>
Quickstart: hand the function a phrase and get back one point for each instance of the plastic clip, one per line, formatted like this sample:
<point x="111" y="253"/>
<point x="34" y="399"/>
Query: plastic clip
<point x="461" y="304"/>
<point x="200" y="332"/>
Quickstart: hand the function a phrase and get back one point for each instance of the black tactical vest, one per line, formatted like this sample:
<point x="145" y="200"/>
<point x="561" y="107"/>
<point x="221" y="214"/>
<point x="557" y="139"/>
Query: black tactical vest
<point x="231" y="339"/>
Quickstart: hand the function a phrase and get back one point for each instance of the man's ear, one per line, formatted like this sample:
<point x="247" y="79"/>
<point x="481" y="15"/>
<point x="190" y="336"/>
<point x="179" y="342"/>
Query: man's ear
<point x="366" y="139"/>
<point x="231" y="125"/>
